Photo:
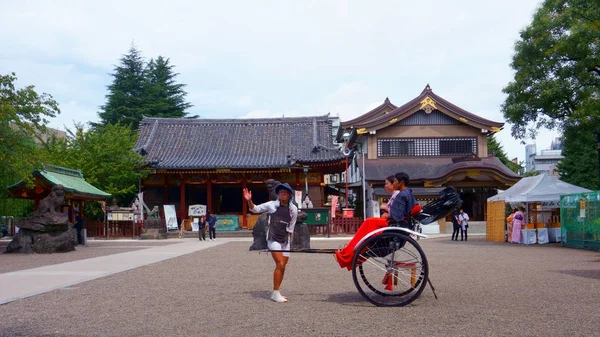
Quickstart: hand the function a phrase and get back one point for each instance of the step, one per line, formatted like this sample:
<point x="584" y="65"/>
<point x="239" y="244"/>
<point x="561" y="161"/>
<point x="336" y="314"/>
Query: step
<point x="242" y="233"/>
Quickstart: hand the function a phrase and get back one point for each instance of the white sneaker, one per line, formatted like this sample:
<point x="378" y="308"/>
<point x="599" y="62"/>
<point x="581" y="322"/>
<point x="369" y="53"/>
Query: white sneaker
<point x="276" y="296"/>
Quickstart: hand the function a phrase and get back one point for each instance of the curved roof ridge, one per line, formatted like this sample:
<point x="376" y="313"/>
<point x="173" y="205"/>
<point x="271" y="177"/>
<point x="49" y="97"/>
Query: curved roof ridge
<point x="464" y="113"/>
<point x="372" y="112"/>
<point x="190" y="121"/>
<point x="427" y="92"/>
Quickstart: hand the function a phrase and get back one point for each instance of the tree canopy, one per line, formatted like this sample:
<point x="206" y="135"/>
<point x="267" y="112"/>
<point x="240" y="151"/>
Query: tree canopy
<point x="557" y="68"/>
<point x="105" y="156"/>
<point x="23" y="118"/>
<point x="141" y="89"/>
<point x="496" y="148"/>
<point x="580" y="165"/>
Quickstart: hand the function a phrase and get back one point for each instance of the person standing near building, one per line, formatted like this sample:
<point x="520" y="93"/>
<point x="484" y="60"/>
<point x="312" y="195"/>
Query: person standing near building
<point x="455" y="225"/>
<point x="211" y="220"/>
<point x="518" y="220"/>
<point x="463" y="220"/>
<point x="202" y="228"/>
<point x="281" y="221"/>
<point x="79" y="225"/>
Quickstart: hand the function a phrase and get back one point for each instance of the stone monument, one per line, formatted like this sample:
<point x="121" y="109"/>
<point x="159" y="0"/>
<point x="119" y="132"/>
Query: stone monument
<point x="301" y="238"/>
<point x="47" y="230"/>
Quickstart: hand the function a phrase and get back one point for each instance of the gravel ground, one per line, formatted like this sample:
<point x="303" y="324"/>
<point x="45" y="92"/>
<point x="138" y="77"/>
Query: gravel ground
<point x="484" y="289"/>
<point x="14" y="262"/>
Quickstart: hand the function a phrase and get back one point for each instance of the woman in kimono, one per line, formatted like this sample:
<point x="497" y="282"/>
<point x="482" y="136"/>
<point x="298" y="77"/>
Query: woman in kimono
<point x="517" y="224"/>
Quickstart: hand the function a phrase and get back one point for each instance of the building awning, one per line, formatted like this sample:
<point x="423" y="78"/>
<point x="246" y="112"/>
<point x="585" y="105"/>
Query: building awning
<point x="416" y="191"/>
<point x="51" y="175"/>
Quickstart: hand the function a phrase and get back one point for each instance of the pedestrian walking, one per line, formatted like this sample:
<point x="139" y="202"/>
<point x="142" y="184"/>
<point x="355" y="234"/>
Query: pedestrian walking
<point x="211" y="220"/>
<point x="281" y="221"/>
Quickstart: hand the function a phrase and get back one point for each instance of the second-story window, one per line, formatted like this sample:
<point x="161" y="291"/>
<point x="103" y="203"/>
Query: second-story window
<point x="426" y="147"/>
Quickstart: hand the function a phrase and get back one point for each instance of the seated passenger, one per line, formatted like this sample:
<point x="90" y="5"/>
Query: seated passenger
<point x="400" y="211"/>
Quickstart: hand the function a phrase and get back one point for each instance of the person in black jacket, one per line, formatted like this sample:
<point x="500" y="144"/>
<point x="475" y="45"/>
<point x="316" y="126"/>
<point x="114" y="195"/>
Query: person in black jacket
<point x="202" y="228"/>
<point x="79" y="225"/>
<point x="455" y="226"/>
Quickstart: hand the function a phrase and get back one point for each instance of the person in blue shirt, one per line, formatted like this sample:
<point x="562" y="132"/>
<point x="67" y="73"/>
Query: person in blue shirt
<point x="211" y="220"/>
<point x="403" y="202"/>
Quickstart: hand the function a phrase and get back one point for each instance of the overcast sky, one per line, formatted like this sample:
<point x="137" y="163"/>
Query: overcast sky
<point x="243" y="59"/>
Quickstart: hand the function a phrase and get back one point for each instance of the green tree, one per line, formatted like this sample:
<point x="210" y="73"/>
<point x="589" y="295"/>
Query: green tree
<point x="496" y="148"/>
<point x="166" y="98"/>
<point x="140" y="90"/>
<point x="23" y="116"/>
<point x="557" y="68"/>
<point x="126" y="98"/>
<point x="104" y="155"/>
<point x="580" y="165"/>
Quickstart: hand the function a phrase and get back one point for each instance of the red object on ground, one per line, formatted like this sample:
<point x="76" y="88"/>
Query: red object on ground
<point x="345" y="255"/>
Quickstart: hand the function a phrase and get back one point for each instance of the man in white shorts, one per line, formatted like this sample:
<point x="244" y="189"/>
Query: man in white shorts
<point x="282" y="219"/>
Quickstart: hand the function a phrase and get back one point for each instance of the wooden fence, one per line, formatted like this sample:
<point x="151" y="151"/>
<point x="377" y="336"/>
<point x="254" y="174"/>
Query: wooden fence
<point x="116" y="229"/>
<point x="337" y="226"/>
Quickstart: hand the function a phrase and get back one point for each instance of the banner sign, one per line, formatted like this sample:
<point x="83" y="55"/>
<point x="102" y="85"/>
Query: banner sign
<point x="170" y="217"/>
<point x="334" y="201"/>
<point x="298" y="198"/>
<point x="197" y="210"/>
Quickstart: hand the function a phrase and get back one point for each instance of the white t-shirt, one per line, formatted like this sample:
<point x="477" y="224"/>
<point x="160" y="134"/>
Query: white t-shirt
<point x="464" y="220"/>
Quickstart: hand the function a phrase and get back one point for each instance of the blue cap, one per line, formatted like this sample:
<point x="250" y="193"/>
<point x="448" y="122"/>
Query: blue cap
<point x="285" y="186"/>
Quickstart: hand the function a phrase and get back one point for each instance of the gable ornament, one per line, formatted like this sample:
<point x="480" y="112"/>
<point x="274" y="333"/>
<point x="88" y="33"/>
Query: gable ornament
<point x="428" y="105"/>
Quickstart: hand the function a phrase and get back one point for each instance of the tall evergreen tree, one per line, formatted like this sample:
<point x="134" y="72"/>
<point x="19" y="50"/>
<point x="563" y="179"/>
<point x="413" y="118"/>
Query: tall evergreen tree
<point x="496" y="148"/>
<point x="580" y="165"/>
<point x="140" y="90"/>
<point x="166" y="98"/>
<point x="126" y="98"/>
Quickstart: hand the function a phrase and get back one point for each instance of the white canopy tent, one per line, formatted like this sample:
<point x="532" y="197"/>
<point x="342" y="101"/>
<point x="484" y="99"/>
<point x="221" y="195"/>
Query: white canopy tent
<point x="543" y="190"/>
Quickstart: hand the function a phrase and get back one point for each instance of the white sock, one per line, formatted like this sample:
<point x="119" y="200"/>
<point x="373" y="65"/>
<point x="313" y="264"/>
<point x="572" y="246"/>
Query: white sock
<point x="276" y="296"/>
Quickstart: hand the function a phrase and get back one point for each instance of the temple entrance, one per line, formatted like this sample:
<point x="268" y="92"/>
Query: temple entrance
<point x="227" y="199"/>
<point x="475" y="201"/>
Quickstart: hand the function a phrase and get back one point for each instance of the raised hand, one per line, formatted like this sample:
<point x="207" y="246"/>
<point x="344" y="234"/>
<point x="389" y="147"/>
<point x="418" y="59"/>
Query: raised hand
<point x="247" y="194"/>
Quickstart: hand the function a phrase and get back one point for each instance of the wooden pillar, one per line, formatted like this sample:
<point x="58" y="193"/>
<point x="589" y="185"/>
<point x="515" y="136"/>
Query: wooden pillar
<point x="209" y="196"/>
<point x="244" y="205"/>
<point x="166" y="191"/>
<point x="182" y="208"/>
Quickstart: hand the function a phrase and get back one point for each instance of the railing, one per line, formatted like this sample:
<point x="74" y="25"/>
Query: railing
<point x="116" y="229"/>
<point x="337" y="226"/>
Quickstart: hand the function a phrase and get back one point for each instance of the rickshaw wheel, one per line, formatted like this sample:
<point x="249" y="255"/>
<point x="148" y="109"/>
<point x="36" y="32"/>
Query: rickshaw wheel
<point x="390" y="269"/>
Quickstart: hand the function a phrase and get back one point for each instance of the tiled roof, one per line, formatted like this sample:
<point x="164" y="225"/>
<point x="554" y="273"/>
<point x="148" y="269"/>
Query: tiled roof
<point x="401" y="111"/>
<point x="71" y="179"/>
<point x="432" y="168"/>
<point x="172" y="143"/>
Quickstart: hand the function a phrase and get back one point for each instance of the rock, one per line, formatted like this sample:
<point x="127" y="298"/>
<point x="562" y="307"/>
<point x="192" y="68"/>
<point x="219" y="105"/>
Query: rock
<point x="43" y="233"/>
<point x="300" y="240"/>
<point x="154" y="229"/>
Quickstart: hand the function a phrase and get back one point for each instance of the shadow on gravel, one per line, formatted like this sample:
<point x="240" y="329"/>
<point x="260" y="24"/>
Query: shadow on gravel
<point x="593" y="274"/>
<point x="348" y="298"/>
<point x="259" y="294"/>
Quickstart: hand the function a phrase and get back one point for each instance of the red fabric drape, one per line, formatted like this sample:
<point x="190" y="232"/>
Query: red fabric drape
<point x="345" y="255"/>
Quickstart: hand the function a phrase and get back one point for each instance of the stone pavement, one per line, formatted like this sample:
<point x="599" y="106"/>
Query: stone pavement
<point x="190" y="288"/>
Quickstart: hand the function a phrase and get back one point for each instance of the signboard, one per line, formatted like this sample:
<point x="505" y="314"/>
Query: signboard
<point x="195" y="226"/>
<point x="197" y="210"/>
<point x="170" y="217"/>
<point x="227" y="223"/>
<point x="334" y="201"/>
